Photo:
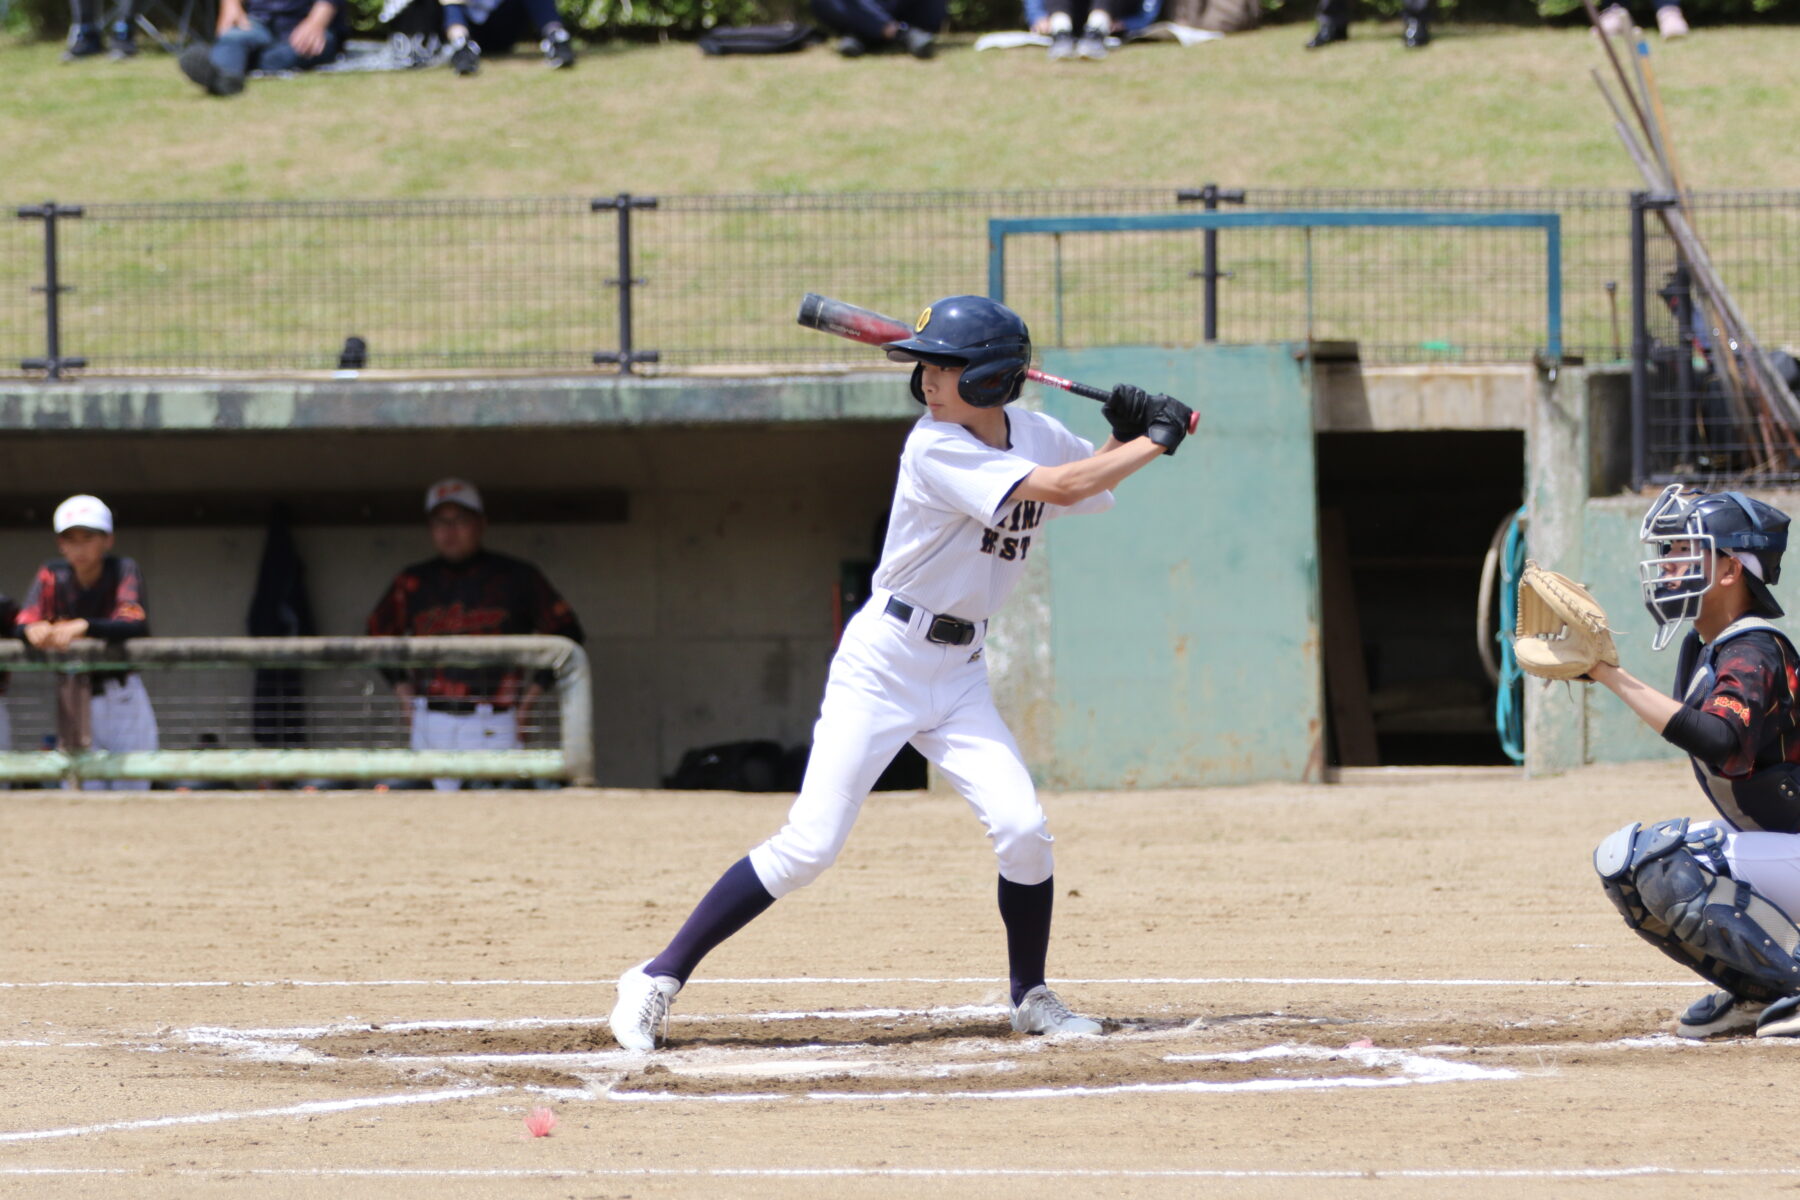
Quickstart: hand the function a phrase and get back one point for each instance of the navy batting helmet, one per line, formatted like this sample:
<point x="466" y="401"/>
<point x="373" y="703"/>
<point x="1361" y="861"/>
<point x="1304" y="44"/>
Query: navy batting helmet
<point x="986" y="339"/>
<point x="1683" y="527"/>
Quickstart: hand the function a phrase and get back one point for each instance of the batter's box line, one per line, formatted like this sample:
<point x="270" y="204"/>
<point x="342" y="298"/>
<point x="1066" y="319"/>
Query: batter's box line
<point x="1096" y="1173"/>
<point x="871" y="980"/>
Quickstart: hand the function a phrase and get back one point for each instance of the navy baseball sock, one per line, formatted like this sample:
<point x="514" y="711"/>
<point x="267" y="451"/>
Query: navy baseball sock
<point x="737" y="899"/>
<point x="1025" y="909"/>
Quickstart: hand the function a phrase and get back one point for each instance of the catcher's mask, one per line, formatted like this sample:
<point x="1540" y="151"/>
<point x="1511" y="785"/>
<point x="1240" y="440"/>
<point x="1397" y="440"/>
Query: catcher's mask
<point x="986" y="339"/>
<point x="1687" y="530"/>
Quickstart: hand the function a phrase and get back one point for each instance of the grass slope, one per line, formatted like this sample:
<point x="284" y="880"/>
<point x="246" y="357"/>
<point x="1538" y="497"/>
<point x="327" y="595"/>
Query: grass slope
<point x="1482" y="107"/>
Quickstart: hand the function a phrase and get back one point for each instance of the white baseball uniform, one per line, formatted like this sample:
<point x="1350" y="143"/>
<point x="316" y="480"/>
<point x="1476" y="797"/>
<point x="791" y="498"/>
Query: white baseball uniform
<point x="956" y="545"/>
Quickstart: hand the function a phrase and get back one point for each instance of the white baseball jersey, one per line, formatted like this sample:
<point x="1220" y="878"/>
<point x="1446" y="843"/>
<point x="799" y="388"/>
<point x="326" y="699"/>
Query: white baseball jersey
<point x="956" y="543"/>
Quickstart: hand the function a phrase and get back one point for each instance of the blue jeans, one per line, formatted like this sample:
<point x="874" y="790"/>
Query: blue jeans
<point x="264" y="47"/>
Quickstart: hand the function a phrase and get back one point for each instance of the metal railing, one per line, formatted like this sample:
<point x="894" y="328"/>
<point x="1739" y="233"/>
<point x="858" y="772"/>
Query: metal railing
<point x="331" y="717"/>
<point x="1318" y="233"/>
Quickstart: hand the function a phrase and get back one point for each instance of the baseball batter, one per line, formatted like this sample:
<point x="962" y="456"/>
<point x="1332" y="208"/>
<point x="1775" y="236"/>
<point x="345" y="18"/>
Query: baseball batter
<point x="977" y="482"/>
<point x="1715" y="895"/>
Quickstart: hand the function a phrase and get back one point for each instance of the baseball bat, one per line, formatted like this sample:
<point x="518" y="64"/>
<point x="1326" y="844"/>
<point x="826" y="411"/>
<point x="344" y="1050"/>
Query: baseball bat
<point x="873" y="329"/>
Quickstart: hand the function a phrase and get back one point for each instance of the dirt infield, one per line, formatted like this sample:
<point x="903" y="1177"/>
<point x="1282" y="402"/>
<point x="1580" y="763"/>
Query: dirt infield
<point x="1407" y="988"/>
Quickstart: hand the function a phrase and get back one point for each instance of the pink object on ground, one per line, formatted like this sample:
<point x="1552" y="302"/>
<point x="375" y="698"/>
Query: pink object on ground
<point x="539" y="1122"/>
<point x="1365" y="1044"/>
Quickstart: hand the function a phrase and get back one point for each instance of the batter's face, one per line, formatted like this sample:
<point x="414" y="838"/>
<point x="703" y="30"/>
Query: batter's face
<point x="456" y="531"/>
<point x="942" y="398"/>
<point x="85" y="549"/>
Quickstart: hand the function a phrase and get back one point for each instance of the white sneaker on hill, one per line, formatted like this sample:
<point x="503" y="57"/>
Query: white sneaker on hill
<point x="640" y="1015"/>
<point x="1042" y="1011"/>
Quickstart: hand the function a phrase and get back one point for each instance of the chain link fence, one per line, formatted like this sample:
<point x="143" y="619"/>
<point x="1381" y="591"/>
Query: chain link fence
<point x="697" y="282"/>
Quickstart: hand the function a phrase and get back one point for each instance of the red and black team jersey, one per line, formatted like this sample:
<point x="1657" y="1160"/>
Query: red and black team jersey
<point x="488" y="593"/>
<point x="1752" y="689"/>
<point x="113" y="607"/>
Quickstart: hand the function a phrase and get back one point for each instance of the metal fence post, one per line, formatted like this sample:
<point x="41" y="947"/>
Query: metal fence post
<point x="625" y="356"/>
<point x="1642" y="203"/>
<point x="1210" y="196"/>
<point x="53" y="363"/>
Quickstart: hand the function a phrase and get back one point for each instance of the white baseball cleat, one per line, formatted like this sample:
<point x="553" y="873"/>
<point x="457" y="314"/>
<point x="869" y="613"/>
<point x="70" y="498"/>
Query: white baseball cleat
<point x="1042" y="1011"/>
<point x="1780" y="1019"/>
<point x="1718" y="1013"/>
<point x="640" y="1015"/>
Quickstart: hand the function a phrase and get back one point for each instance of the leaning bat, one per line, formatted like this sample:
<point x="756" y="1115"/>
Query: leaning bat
<point x="873" y="329"/>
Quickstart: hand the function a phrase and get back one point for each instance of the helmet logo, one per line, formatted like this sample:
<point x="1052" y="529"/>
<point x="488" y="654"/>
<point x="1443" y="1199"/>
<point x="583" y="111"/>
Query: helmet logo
<point x="923" y="321"/>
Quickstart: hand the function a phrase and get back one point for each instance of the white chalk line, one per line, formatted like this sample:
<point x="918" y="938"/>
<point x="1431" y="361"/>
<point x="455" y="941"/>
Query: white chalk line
<point x="1198" y="1173"/>
<point x="309" y="1108"/>
<point x="871" y="980"/>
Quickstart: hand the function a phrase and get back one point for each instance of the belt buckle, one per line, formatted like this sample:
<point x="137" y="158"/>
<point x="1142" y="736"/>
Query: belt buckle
<point x="950" y="631"/>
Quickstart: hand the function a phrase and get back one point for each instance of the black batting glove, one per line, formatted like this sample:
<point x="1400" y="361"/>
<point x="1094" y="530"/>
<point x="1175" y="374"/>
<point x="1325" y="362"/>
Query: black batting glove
<point x="1169" y="420"/>
<point x="1127" y="410"/>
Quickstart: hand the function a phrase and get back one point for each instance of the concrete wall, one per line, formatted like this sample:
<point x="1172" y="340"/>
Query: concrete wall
<point x="1173" y="642"/>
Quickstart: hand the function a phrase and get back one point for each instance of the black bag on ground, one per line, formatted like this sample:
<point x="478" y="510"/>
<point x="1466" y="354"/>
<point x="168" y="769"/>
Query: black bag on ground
<point x="730" y="767"/>
<point x="783" y="38"/>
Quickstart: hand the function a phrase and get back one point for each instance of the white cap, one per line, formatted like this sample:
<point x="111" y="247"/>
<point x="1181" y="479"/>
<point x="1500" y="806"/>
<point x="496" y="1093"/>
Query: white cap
<point x="82" y="512"/>
<point x="453" y="491"/>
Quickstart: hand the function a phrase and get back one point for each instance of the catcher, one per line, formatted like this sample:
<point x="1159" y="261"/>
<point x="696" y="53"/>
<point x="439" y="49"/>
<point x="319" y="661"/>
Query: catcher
<point x="1713" y="895"/>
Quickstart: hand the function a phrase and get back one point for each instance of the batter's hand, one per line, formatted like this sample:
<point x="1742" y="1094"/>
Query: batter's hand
<point x="1127" y="411"/>
<point x="1169" y="420"/>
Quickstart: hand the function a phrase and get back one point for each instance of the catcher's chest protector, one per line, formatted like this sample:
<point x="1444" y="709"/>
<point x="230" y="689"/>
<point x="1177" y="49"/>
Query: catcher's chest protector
<point x="1768" y="799"/>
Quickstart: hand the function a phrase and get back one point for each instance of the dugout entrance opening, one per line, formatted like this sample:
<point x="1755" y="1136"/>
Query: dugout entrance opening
<point x="1405" y="521"/>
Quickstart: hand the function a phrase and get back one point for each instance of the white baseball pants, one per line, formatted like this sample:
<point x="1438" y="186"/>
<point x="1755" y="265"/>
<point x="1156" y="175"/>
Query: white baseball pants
<point x="483" y="729"/>
<point x="121" y="720"/>
<point x="888" y="686"/>
<point x="1768" y="862"/>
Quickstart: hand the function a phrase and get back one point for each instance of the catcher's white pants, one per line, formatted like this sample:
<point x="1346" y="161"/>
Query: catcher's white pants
<point x="1768" y="862"/>
<point x="483" y="729"/>
<point x="121" y="720"/>
<point x="888" y="686"/>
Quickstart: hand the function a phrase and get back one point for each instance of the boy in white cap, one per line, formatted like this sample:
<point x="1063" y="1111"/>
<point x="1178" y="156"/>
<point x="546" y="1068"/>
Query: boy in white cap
<point x="467" y="590"/>
<point x="91" y="592"/>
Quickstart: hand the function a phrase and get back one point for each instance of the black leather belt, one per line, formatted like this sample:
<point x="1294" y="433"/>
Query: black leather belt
<point x="945" y="631"/>
<point x="462" y="708"/>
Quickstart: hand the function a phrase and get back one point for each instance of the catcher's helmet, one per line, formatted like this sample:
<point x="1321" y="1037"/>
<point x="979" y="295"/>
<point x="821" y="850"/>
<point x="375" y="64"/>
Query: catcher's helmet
<point x="986" y="339"/>
<point x="1673" y="581"/>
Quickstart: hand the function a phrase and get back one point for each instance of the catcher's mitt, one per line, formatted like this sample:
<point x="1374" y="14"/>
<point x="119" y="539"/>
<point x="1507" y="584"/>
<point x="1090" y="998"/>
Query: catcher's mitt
<point x="1561" y="631"/>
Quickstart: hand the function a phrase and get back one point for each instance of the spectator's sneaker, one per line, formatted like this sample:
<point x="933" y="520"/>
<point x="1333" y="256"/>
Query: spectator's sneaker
<point x="1042" y="1011"/>
<point x="1415" y="34"/>
<point x="851" y="47"/>
<point x="465" y="57"/>
<point x="1615" y="21"/>
<point x="640" y="1015"/>
<point x="83" y="43"/>
<point x="1718" y="1013"/>
<point x="121" y="45"/>
<point x="918" y="43"/>
<point x="197" y="64"/>
<point x="1092" y="45"/>
<point x="559" y="50"/>
<point x="1062" y="47"/>
<point x="1670" y="23"/>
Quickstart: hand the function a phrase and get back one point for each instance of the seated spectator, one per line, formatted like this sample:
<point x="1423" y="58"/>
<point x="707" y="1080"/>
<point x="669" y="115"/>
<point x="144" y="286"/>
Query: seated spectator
<point x="1055" y="19"/>
<point x="90" y="592"/>
<point x="494" y="26"/>
<point x="865" y="25"/>
<point x="467" y="590"/>
<point x="1334" y="24"/>
<point x="265" y="35"/>
<point x="1615" y="19"/>
<point x="84" y="30"/>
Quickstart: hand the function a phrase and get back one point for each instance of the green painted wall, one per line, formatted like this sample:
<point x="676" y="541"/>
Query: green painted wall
<point x="1183" y="645"/>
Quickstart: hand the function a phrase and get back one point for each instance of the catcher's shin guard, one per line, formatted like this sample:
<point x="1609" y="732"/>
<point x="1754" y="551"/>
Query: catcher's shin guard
<point x="1671" y="887"/>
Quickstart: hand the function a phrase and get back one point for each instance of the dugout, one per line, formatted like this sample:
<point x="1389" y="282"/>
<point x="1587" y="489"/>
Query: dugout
<point x="1406" y="519"/>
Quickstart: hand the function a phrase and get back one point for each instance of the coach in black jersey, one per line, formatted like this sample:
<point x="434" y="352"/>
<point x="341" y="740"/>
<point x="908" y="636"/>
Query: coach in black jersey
<point x="468" y="590"/>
